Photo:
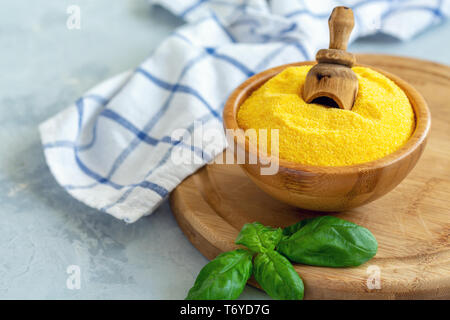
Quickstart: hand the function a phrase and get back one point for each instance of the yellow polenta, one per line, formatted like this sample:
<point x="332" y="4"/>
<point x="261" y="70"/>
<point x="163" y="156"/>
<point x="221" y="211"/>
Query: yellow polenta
<point x="380" y="122"/>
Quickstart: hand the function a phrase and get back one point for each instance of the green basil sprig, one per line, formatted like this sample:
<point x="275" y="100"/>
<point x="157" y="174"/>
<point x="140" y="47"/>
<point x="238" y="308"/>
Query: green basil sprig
<point x="276" y="275"/>
<point x="223" y="278"/>
<point x="258" y="237"/>
<point x="290" y="230"/>
<point x="328" y="241"/>
<point x="323" y="241"/>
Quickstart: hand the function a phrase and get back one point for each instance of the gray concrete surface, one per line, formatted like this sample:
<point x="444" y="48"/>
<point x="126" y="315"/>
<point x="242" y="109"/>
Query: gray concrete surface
<point x="43" y="230"/>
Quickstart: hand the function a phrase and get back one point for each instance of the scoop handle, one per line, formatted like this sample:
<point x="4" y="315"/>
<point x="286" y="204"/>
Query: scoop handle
<point x="341" y="23"/>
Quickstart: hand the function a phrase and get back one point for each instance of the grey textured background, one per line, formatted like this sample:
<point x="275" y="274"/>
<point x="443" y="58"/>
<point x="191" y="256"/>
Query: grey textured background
<point x="45" y="67"/>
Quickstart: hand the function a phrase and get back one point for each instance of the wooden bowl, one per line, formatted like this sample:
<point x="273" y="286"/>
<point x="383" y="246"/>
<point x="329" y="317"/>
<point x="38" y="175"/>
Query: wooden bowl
<point x="322" y="188"/>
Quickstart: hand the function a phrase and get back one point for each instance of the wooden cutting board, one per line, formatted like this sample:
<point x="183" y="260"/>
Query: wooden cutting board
<point x="411" y="223"/>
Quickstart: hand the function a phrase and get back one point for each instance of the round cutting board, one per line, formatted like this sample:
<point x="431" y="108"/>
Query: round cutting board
<point x="411" y="223"/>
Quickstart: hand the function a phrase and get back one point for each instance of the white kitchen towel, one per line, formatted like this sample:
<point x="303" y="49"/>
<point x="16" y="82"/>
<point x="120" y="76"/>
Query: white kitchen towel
<point x="119" y="147"/>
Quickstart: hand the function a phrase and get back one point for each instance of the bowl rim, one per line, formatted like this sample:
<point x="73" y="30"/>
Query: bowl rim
<point x="420" y="108"/>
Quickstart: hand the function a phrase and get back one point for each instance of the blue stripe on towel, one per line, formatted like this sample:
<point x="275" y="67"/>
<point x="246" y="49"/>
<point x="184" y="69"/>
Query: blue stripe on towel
<point x="162" y="162"/>
<point x="126" y="152"/>
<point x="191" y="8"/>
<point x="108" y="113"/>
<point x="233" y="61"/>
<point x="177" y="88"/>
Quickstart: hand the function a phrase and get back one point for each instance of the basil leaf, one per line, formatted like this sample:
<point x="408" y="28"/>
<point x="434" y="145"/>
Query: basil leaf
<point x="329" y="241"/>
<point x="276" y="275"/>
<point x="258" y="237"/>
<point x="289" y="231"/>
<point x="223" y="278"/>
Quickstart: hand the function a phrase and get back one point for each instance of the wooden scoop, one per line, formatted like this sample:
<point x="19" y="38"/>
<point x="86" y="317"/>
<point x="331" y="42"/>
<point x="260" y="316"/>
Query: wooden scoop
<point x="333" y="77"/>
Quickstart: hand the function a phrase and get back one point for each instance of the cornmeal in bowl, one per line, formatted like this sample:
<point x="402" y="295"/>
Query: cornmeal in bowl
<point x="380" y="122"/>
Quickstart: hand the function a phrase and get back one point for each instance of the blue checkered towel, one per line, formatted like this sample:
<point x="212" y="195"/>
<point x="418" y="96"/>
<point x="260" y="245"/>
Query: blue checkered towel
<point x="114" y="148"/>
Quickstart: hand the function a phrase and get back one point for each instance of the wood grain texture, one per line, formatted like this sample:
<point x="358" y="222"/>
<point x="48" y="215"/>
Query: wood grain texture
<point x="340" y="23"/>
<point x="328" y="188"/>
<point x="332" y="76"/>
<point x="411" y="223"/>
